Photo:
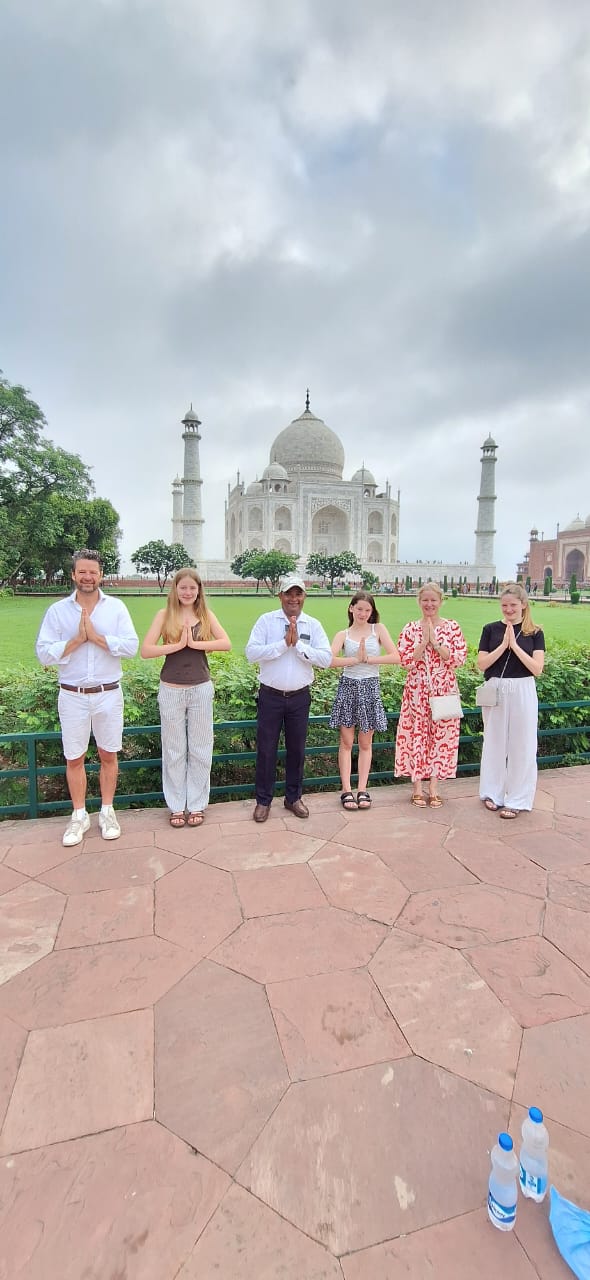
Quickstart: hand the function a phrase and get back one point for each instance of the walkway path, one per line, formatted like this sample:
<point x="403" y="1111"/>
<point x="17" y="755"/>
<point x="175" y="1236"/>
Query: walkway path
<point x="283" y="1053"/>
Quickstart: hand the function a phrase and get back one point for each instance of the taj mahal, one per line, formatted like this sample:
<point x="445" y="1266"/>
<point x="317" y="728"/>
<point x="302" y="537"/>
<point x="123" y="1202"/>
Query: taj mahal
<point x="302" y="504"/>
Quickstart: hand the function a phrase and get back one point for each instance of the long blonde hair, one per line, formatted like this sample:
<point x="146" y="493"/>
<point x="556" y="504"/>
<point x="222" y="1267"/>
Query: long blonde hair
<point x="528" y="627"/>
<point x="172" y="620"/>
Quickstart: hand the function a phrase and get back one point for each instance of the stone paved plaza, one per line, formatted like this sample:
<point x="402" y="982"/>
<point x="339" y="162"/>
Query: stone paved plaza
<point x="283" y="1052"/>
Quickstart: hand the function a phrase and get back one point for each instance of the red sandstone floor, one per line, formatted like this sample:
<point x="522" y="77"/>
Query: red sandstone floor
<point x="252" y="1053"/>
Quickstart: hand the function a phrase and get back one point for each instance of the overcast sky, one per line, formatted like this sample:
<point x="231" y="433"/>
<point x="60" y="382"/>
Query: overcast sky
<point x="227" y="202"/>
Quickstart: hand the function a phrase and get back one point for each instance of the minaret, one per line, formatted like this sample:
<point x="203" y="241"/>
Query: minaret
<point x="484" y="534"/>
<point x="192" y="521"/>
<point x="177" y="510"/>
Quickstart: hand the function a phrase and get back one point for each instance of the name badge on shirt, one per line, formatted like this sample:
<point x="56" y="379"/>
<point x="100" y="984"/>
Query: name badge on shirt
<point x="303" y="635"/>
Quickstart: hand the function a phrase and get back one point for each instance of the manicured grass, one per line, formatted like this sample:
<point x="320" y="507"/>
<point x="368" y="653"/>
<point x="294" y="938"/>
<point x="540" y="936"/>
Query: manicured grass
<point x="20" y="618"/>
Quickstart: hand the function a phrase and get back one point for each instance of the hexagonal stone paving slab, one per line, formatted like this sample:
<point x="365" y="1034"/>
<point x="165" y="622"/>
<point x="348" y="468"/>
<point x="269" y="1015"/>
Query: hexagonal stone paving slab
<point x="359" y="881"/>
<point x="476" y="914"/>
<point x="568" y="931"/>
<point x="29" y="920"/>
<point x="571" y="888"/>
<point x="219" y="1067"/>
<point x="107" y="916"/>
<point x="268" y="846"/>
<point x="496" y="862"/>
<point x="129" y="1203"/>
<point x="414" y="853"/>
<point x="196" y="907"/>
<point x="446" y="1012"/>
<point x="350" y="1192"/>
<point x="13" y="1040"/>
<point x="118" y="869"/>
<point x="60" y="1089"/>
<point x="550" y="849"/>
<point x="88" y="982"/>
<point x="33" y="859"/>
<point x="533" y="980"/>
<point x="445" y="1252"/>
<point x="271" y="892"/>
<point x="300" y="944"/>
<point x="553" y="1070"/>
<point x="245" y="1239"/>
<point x="333" y="1022"/>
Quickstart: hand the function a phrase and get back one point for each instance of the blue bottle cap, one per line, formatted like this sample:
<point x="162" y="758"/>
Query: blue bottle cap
<point x="536" y="1115"/>
<point x="505" y="1141"/>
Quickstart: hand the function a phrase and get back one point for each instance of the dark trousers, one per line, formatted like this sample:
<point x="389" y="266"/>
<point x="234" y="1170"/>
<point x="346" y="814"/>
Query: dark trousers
<point x="275" y="712"/>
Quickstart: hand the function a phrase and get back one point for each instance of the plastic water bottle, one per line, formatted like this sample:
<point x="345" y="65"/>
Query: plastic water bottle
<point x="533" y="1156"/>
<point x="503" y="1186"/>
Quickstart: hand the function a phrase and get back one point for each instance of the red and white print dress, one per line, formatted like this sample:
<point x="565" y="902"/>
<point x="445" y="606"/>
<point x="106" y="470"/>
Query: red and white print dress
<point x="425" y="748"/>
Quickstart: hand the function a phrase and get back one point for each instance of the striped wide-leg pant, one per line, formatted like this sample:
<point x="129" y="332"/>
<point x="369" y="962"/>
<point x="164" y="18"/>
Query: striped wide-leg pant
<point x="186" y="718"/>
<point x="508" y="771"/>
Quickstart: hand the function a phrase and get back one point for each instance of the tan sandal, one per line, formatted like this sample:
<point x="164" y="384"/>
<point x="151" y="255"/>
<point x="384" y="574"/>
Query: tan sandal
<point x="435" y="802"/>
<point x="509" y="813"/>
<point x="419" y="801"/>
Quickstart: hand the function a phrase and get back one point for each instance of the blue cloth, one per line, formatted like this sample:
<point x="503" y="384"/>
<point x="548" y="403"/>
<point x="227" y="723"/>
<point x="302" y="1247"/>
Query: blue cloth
<point x="571" y="1232"/>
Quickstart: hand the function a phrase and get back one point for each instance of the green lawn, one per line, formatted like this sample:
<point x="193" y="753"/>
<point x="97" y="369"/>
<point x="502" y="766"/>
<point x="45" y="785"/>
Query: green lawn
<point x="20" y="618"/>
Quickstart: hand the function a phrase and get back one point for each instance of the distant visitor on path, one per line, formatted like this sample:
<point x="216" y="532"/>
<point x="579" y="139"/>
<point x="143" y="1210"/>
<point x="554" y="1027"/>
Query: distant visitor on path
<point x="185" y="632"/>
<point x="432" y="649"/>
<point x="287" y="644"/>
<point x="85" y="636"/>
<point x="358" y="704"/>
<point x="511" y="655"/>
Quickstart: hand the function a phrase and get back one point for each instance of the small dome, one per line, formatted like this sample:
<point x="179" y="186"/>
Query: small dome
<point x="534" y="533"/>
<point x="363" y="476"/>
<point x="575" y="525"/>
<point x="254" y="488"/>
<point x="490" y="443"/>
<point x="308" y="447"/>
<point x="274" y="471"/>
<point x="191" y="416"/>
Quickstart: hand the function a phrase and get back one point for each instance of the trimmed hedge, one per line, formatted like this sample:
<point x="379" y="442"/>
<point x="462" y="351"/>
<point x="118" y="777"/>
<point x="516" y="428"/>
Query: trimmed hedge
<point x="28" y="703"/>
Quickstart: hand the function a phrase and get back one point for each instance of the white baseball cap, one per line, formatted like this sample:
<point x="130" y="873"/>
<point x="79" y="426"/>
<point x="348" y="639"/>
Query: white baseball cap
<point x="291" y="580"/>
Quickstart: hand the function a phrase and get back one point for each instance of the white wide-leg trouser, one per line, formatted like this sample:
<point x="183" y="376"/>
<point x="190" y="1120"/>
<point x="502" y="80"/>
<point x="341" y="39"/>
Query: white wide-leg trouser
<point x="186" y="718"/>
<point x="508" y="773"/>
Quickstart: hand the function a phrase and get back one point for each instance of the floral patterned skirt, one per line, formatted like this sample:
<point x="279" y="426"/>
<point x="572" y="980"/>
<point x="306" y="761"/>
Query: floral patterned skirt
<point x="358" y="704"/>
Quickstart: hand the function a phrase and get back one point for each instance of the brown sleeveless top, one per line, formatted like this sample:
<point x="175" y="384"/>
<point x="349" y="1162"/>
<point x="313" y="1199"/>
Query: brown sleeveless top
<point x="187" y="666"/>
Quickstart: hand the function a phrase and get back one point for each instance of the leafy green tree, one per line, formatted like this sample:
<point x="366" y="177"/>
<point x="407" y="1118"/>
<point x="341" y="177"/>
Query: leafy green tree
<point x="332" y="567"/>
<point x="240" y="563"/>
<point x="445" y="584"/>
<point x="573" y="584"/>
<point x="369" y="580"/>
<point x="547" y="584"/>
<point x="269" y="567"/>
<point x="161" y="559"/>
<point x="46" y="495"/>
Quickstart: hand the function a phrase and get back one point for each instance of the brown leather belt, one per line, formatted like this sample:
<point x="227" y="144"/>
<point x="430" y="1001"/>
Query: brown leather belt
<point x="96" y="688"/>
<point x="283" y="693"/>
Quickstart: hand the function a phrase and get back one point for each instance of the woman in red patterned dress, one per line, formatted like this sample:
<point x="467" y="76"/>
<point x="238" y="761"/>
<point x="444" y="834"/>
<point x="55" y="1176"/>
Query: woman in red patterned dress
<point x="427" y="749"/>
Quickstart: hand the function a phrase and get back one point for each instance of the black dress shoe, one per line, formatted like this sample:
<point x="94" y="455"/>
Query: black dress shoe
<point x="261" y="812"/>
<point x="298" y="808"/>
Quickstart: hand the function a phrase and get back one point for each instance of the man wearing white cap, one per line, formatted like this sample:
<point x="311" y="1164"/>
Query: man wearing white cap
<point x="287" y="644"/>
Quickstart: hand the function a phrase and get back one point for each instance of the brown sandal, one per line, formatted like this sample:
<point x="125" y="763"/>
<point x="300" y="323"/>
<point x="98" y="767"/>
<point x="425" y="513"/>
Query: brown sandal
<point x="419" y="801"/>
<point x="177" y="820"/>
<point x="509" y="813"/>
<point x="194" y="819"/>
<point x="489" y="804"/>
<point x="435" y="802"/>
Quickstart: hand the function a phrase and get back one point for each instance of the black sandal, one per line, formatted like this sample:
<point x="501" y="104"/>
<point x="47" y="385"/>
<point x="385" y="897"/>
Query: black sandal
<point x="348" y="801"/>
<point x="363" y="800"/>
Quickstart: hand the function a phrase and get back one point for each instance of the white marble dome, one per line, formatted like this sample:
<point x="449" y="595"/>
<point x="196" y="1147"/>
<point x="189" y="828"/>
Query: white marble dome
<point x="363" y="476"/>
<point x="274" y="471"/>
<point x="307" y="447"/>
<point x="574" y="525"/>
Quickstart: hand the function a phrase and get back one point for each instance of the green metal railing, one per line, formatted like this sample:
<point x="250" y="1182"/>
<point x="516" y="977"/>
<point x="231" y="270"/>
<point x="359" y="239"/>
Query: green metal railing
<point x="32" y="771"/>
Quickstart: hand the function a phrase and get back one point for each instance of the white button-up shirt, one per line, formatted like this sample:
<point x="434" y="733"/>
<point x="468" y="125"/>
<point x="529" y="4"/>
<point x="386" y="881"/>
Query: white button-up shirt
<point x="89" y="664"/>
<point x="282" y="666"/>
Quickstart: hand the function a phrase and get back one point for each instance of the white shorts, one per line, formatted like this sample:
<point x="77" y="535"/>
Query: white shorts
<point x="81" y="712"/>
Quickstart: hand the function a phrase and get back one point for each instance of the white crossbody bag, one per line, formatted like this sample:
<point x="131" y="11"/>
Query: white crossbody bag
<point x="487" y="694"/>
<point x="443" y="706"/>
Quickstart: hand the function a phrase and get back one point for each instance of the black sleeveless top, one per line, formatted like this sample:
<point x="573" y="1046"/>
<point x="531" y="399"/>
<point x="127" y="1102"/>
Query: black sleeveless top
<point x="186" y="666"/>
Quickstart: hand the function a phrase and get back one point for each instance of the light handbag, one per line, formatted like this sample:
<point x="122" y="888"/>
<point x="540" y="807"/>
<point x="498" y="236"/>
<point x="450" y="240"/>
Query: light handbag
<point x="487" y="695"/>
<point x="446" y="706"/>
<point x="443" y="706"/>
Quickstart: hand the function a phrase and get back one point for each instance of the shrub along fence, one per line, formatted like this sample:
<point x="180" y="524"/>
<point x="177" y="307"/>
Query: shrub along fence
<point x="33" y="782"/>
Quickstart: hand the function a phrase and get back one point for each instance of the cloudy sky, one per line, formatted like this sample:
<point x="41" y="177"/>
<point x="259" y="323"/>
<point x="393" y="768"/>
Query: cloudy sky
<point x="228" y="202"/>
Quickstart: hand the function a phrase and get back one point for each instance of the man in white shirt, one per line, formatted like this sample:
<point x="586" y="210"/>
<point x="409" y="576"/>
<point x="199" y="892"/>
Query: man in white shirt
<point x="287" y="644"/>
<point x="85" y="636"/>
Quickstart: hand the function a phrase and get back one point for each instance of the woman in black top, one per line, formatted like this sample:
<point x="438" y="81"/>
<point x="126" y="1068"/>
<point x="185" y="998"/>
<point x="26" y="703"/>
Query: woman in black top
<point x="511" y="654"/>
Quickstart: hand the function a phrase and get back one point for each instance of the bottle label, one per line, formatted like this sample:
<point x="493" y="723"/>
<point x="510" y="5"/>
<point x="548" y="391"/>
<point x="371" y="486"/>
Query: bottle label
<point x="501" y="1212"/>
<point x="531" y="1185"/>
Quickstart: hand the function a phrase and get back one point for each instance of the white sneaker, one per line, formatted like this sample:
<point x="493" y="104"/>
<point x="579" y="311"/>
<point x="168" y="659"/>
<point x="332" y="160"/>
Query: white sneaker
<point x="109" y="827"/>
<point x="74" y="832"/>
